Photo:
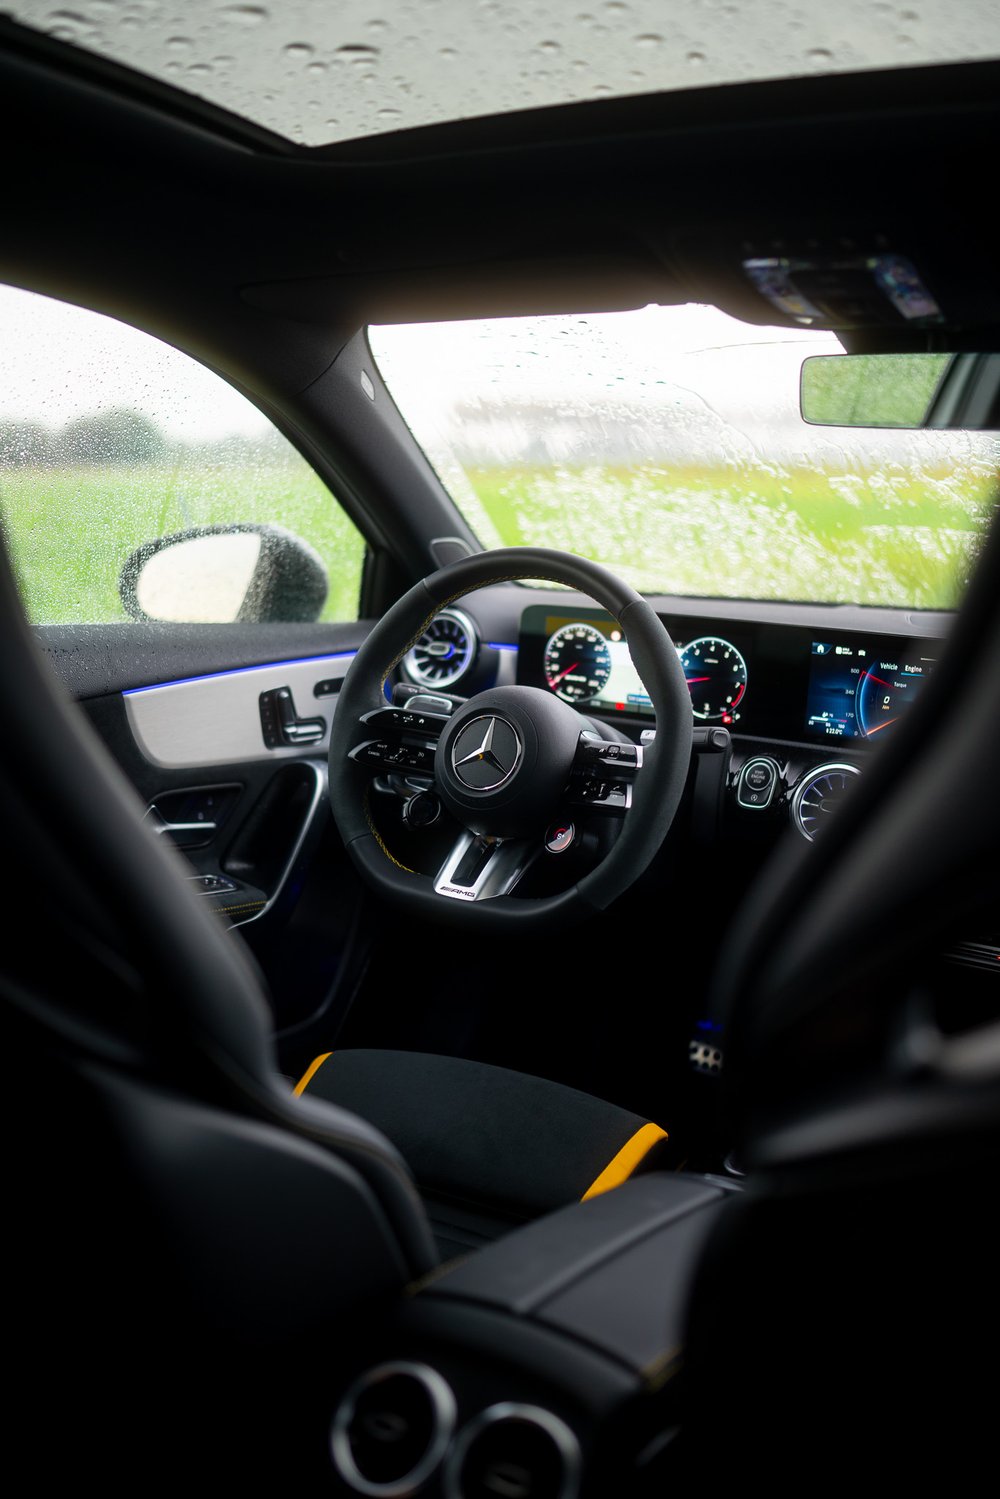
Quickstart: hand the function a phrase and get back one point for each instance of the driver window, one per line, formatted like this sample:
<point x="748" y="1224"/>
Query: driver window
<point x="111" y="441"/>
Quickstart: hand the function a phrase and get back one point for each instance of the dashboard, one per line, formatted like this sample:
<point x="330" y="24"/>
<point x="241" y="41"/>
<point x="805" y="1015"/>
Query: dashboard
<point x="800" y="683"/>
<point x="801" y="702"/>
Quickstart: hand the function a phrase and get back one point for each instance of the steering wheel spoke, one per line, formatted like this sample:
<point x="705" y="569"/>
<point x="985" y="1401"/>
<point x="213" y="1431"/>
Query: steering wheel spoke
<point x="483" y="868"/>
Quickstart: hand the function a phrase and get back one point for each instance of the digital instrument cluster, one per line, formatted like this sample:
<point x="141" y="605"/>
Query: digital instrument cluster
<point x="588" y="663"/>
<point x="769" y="679"/>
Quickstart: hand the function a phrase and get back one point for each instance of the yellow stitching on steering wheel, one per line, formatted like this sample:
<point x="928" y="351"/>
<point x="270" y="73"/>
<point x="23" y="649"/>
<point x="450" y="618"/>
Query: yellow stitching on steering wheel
<point x="380" y="840"/>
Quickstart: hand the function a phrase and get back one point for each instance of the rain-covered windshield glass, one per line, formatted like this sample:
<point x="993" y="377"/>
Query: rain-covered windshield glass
<point x="667" y="444"/>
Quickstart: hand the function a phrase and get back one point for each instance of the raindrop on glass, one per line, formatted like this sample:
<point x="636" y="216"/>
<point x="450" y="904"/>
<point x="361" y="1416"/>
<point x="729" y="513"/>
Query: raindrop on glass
<point x="819" y="56"/>
<point x="358" y="52"/>
<point x="695" y="59"/>
<point x="297" y="51"/>
<point x="69" y="18"/>
<point x="245" y="15"/>
<point x="649" y="39"/>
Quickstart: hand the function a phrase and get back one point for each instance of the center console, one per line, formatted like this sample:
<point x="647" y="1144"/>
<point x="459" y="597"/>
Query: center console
<point x="542" y="1367"/>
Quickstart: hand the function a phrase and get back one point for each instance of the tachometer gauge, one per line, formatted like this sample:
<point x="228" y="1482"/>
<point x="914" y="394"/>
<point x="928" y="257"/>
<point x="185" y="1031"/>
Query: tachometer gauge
<point x="717" y="677"/>
<point x="577" y="662"/>
<point x="885" y="691"/>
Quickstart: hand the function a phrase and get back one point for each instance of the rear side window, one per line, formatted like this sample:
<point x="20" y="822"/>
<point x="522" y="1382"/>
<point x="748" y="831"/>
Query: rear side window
<point x="111" y="440"/>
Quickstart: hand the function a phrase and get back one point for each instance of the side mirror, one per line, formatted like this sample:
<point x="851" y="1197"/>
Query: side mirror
<point x="223" y="574"/>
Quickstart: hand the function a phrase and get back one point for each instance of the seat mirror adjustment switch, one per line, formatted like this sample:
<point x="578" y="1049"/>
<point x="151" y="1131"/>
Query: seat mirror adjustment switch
<point x="281" y="725"/>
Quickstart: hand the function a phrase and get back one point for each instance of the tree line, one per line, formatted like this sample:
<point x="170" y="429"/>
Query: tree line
<point x="121" y="437"/>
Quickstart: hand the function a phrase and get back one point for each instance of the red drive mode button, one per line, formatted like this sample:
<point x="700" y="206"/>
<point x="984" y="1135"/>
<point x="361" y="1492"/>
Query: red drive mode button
<point x="560" y="837"/>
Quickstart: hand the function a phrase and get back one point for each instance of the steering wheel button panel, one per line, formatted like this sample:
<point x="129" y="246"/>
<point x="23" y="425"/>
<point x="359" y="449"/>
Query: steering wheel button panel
<point x="598" y="756"/>
<point x="608" y="796"/>
<point x="404" y="720"/>
<point x="387" y="754"/>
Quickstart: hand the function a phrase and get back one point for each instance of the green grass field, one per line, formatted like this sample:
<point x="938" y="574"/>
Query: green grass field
<point x="70" y="530"/>
<point x="894" y="537"/>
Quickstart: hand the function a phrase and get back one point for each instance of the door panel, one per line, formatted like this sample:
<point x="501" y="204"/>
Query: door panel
<point x="180" y="709"/>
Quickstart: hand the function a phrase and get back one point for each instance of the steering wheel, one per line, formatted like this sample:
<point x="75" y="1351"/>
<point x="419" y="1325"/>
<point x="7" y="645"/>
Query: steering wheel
<point x="509" y="760"/>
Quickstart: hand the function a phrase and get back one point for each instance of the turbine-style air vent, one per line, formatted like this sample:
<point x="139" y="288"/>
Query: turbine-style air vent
<point x="391" y="1429"/>
<point x="444" y="652"/>
<point x="819" y="794"/>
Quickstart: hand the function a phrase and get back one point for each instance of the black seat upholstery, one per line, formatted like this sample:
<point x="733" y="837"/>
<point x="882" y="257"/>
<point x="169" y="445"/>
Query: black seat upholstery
<point x="178" y="1208"/>
<point x="490" y="1148"/>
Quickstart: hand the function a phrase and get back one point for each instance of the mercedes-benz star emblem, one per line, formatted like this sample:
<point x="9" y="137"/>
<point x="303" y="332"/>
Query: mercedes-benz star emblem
<point x="486" y="753"/>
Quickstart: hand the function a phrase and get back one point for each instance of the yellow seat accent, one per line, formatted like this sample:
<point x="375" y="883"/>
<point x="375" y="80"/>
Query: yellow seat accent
<point x="624" y="1163"/>
<point x="310" y="1073"/>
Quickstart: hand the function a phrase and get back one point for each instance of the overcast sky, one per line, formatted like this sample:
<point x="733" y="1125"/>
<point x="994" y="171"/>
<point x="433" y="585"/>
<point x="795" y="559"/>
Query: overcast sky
<point x="58" y="362"/>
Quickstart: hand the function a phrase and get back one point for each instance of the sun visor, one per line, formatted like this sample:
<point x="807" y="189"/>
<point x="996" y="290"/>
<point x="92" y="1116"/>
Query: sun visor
<point x="511" y="288"/>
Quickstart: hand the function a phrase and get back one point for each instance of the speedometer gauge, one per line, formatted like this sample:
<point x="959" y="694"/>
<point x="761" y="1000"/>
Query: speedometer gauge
<point x="577" y="662"/>
<point x="717" y="677"/>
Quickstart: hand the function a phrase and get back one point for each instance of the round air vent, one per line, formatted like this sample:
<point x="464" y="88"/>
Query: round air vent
<point x="819" y="794"/>
<point x="514" y="1449"/>
<point x="444" y="652"/>
<point x="392" y="1428"/>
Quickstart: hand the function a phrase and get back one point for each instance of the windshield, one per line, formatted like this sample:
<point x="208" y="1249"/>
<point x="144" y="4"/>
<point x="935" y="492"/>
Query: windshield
<point x="667" y="444"/>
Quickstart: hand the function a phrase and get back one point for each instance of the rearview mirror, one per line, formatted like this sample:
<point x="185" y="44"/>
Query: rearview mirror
<point x="224" y="574"/>
<point x="944" y="391"/>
